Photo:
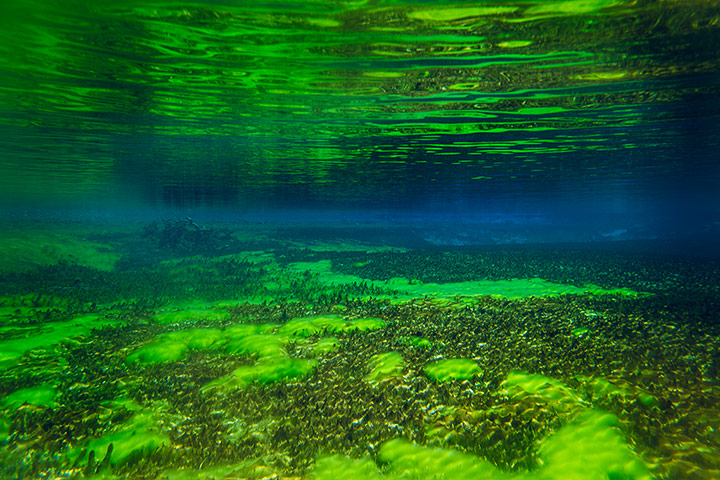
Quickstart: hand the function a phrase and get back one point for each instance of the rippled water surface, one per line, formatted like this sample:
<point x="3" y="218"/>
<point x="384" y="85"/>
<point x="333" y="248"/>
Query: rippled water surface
<point x="363" y="103"/>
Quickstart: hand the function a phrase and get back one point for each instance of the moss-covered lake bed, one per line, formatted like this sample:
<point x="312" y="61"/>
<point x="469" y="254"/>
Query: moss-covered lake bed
<point x="225" y="355"/>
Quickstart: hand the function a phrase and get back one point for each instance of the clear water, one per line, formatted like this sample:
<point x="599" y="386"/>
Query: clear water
<point x="241" y="239"/>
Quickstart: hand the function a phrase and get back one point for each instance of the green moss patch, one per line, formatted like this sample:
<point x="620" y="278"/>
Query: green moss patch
<point x="453" y="369"/>
<point x="268" y="371"/>
<point x="588" y="448"/>
<point x="591" y="448"/>
<point x="540" y="385"/>
<point x="24" y="339"/>
<point x="325" y="345"/>
<point x="264" y="346"/>
<point x="402" y="289"/>
<point x="365" y="324"/>
<point x="413" y="341"/>
<point x="138" y="436"/>
<point x="306" y="326"/>
<point x="384" y="366"/>
<point x="41" y="395"/>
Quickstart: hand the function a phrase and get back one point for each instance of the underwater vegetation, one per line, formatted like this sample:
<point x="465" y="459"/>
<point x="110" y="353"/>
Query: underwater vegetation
<point x="288" y="363"/>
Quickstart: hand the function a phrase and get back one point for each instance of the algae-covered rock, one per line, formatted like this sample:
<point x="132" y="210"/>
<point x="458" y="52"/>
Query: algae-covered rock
<point x="536" y="384"/>
<point x="40" y="395"/>
<point x="365" y="324"/>
<point x="338" y="467"/>
<point x="408" y="460"/>
<point x="195" y="339"/>
<point x="384" y="366"/>
<point x="325" y="345"/>
<point x="413" y="341"/>
<point x="264" y="346"/>
<point x="268" y="371"/>
<point x="453" y="369"/>
<point x="590" y="448"/>
<point x="159" y="352"/>
<point x="140" y="434"/>
<point x="306" y="326"/>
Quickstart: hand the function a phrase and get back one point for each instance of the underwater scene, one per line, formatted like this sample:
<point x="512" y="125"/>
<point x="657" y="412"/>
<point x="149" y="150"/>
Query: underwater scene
<point x="360" y="239"/>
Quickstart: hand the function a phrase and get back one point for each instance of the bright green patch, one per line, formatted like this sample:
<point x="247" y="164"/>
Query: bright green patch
<point x="173" y="346"/>
<point x="267" y="371"/>
<point x="325" y="345"/>
<point x="580" y="331"/>
<point x="137" y="437"/>
<point x="364" y="324"/>
<point x="158" y="353"/>
<point x="453" y="369"/>
<point x="339" y="467"/>
<point x="418" y="342"/>
<point x="571" y="7"/>
<point x="451" y="13"/>
<point x="384" y="366"/>
<point x="590" y="448"/>
<point x="29" y="338"/>
<point x="402" y="289"/>
<point x="41" y="395"/>
<point x="264" y="346"/>
<point x="306" y="326"/>
<point x="408" y="460"/>
<point x="536" y="384"/>
<point x="196" y="338"/>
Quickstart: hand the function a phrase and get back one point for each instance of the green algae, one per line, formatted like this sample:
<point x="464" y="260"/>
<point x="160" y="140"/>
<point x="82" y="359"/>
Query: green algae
<point x="590" y="447"/>
<point x="402" y="289"/>
<point x="266" y="371"/>
<point x="339" y="467"/>
<point x="325" y="345"/>
<point x="306" y="326"/>
<point x="580" y="332"/>
<point x="408" y="460"/>
<point x="452" y="369"/>
<point x="139" y="435"/>
<point x="173" y="346"/>
<point x="262" y="340"/>
<point x="384" y="366"/>
<point x="40" y="395"/>
<point x="414" y="341"/>
<point x="540" y="385"/>
<point x="365" y="324"/>
<point x="158" y="353"/>
<point x="28" y="338"/>
<point x="264" y="346"/>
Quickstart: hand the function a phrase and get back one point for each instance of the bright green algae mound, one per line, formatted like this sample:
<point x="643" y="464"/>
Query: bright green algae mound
<point x="384" y="366"/>
<point x="452" y="369"/>
<point x="265" y="371"/>
<point x="23" y="338"/>
<point x="40" y="395"/>
<point x="589" y="447"/>
<point x="264" y="342"/>
<point x="407" y="289"/>
<point x="138" y="435"/>
<point x="540" y="385"/>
